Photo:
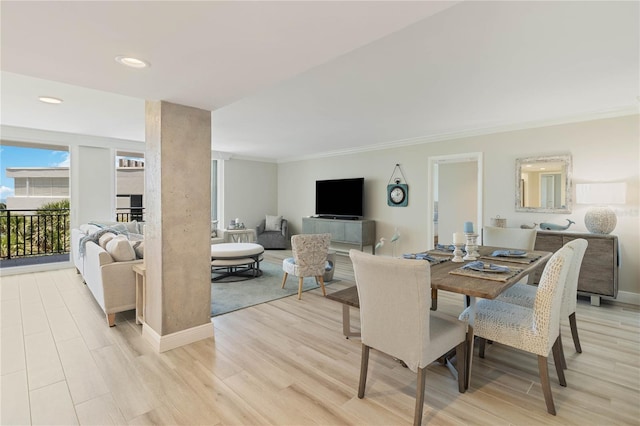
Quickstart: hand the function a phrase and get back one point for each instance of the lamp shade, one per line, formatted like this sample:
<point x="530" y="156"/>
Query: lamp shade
<point x="601" y="193"/>
<point x="601" y="219"/>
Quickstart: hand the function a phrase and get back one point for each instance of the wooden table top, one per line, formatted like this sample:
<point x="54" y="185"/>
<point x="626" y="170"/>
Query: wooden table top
<point x="470" y="286"/>
<point x="348" y="296"/>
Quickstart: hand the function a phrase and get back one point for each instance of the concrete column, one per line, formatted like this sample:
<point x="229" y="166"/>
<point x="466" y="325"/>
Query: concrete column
<point x="177" y="233"/>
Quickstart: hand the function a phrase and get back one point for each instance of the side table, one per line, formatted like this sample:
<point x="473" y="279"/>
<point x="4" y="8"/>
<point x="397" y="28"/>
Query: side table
<point x="140" y="270"/>
<point x="240" y="235"/>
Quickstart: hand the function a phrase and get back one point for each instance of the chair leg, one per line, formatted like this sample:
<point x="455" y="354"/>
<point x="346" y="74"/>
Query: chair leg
<point x="481" y="345"/>
<point x="563" y="360"/>
<point x="364" y="364"/>
<point x="320" y="279"/>
<point x="111" y="320"/>
<point x="284" y="279"/>
<point x="422" y="376"/>
<point x="461" y="365"/>
<point x="434" y="299"/>
<point x="546" y="385"/>
<point x="574" y="332"/>
<point x="557" y="360"/>
<point x="300" y="282"/>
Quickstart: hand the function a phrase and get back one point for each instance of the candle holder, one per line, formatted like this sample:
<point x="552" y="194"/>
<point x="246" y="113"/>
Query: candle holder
<point x="457" y="253"/>
<point x="471" y="247"/>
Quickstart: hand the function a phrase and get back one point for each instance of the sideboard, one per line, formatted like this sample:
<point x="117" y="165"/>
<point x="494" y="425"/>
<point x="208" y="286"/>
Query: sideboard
<point x="599" y="271"/>
<point x="361" y="233"/>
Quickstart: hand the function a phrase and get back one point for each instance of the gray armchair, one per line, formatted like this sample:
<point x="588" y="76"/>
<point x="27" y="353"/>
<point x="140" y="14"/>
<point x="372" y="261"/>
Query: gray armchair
<point x="272" y="239"/>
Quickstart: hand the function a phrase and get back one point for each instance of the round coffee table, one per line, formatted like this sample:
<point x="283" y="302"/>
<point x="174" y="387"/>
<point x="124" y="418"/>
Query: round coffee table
<point x="240" y="260"/>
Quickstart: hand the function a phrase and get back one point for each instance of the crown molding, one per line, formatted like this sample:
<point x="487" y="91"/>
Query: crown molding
<point x="599" y="115"/>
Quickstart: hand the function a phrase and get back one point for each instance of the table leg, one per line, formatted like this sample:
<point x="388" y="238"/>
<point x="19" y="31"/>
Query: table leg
<point x="470" y="340"/>
<point x="346" y="323"/>
<point x="140" y="296"/>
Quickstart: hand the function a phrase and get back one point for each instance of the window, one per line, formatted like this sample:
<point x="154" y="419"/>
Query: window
<point x="214" y="189"/>
<point x="129" y="186"/>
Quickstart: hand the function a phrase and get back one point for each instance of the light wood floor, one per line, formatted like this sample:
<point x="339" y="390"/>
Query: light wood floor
<point x="284" y="362"/>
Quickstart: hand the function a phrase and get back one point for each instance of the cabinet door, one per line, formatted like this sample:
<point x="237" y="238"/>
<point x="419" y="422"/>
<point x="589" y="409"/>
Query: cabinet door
<point x="336" y="229"/>
<point x="307" y="226"/>
<point x="598" y="267"/>
<point x="353" y="232"/>
<point x="545" y="242"/>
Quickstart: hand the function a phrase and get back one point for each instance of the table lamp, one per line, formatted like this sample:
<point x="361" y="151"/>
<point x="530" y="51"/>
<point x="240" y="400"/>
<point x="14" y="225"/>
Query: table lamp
<point x="600" y="218"/>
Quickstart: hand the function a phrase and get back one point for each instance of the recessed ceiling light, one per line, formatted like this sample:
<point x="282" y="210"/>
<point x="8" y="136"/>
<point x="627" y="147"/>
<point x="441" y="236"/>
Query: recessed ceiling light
<point x="50" y="100"/>
<point x="132" y="62"/>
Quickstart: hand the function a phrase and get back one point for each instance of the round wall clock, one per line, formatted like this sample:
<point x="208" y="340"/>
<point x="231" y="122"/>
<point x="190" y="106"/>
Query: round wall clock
<point x="398" y="194"/>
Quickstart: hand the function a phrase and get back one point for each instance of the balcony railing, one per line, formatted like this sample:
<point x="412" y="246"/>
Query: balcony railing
<point x="24" y="233"/>
<point x="28" y="234"/>
<point x="129" y="214"/>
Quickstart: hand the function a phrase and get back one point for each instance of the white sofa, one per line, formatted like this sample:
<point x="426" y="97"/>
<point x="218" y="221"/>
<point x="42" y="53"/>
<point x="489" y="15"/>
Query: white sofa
<point x="111" y="282"/>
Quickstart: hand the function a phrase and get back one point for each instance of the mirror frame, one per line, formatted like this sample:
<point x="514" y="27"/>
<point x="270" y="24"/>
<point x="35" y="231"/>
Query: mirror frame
<point x="566" y="159"/>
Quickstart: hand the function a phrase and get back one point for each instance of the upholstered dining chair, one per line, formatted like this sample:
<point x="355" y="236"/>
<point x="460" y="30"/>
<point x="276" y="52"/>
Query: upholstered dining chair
<point x="509" y="238"/>
<point x="525" y="295"/>
<point x="533" y="329"/>
<point x="395" y="319"/>
<point x="309" y="259"/>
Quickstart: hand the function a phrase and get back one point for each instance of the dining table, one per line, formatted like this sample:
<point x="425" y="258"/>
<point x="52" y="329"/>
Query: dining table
<point x="458" y="277"/>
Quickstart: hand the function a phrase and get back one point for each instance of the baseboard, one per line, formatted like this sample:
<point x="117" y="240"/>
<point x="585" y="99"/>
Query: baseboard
<point x="40" y="267"/>
<point x="626" y="297"/>
<point x="177" y="339"/>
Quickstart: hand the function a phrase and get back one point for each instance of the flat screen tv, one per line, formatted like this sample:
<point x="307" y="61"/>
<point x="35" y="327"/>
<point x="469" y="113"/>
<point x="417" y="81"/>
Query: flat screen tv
<point x="340" y="198"/>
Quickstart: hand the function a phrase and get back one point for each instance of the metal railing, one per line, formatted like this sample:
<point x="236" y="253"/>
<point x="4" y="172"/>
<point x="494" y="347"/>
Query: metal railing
<point x="129" y="214"/>
<point x="29" y="233"/>
<point x="25" y="233"/>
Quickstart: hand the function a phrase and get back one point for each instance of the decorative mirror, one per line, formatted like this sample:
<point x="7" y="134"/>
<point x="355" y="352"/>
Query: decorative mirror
<point x="543" y="184"/>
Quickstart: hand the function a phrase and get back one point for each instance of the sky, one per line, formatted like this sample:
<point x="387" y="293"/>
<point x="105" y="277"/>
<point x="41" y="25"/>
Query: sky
<point x="11" y="156"/>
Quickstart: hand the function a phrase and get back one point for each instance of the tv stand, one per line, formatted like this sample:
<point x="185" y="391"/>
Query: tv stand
<point x="338" y="217"/>
<point x="353" y="231"/>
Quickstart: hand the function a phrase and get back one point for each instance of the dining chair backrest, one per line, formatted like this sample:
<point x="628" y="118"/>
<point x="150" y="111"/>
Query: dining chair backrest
<point x="310" y="253"/>
<point x="547" y="306"/>
<point x="395" y="299"/>
<point x="569" y="297"/>
<point x="511" y="238"/>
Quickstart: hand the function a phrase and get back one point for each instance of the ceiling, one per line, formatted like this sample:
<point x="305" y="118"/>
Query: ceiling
<point x="295" y="79"/>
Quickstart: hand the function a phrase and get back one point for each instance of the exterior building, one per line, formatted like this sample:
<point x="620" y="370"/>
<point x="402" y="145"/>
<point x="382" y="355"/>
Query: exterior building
<point x="36" y="186"/>
<point x="130" y="188"/>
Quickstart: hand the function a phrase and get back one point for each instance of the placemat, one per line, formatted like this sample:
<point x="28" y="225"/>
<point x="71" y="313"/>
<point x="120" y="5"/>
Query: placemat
<point x="524" y="260"/>
<point x="493" y="276"/>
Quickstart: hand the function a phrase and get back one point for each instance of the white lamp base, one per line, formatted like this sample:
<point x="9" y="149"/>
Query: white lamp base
<point x="600" y="220"/>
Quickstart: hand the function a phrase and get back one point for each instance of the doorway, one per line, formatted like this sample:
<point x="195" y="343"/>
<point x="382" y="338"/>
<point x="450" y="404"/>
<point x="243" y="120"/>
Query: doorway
<point x="455" y="196"/>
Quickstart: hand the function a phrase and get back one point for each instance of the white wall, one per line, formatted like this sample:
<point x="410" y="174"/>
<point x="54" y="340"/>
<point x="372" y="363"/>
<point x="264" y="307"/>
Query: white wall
<point x="602" y="150"/>
<point x="250" y="191"/>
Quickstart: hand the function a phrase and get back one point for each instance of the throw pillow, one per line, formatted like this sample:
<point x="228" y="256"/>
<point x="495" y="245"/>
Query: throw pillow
<point x="132" y="227"/>
<point x="273" y="223"/>
<point x="214" y="228"/>
<point x="136" y="237"/>
<point x="138" y="248"/>
<point x="105" y="238"/>
<point x="120" y="249"/>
